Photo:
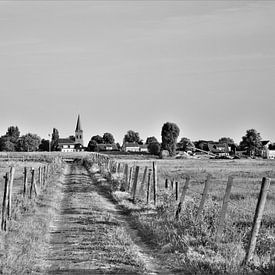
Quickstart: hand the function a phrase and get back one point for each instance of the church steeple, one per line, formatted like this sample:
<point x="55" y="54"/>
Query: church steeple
<point x="78" y="132"/>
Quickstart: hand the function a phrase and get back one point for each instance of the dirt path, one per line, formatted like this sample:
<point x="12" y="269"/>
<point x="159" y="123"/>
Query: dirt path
<point x="89" y="235"/>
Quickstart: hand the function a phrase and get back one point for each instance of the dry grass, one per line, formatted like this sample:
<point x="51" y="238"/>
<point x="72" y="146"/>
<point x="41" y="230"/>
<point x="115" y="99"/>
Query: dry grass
<point x="23" y="243"/>
<point x="190" y="246"/>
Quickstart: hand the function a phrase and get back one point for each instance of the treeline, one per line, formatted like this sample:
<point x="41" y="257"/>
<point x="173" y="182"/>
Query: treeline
<point x="251" y="142"/>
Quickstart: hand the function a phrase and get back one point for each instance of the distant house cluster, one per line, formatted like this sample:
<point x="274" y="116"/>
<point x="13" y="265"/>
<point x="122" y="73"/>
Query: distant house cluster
<point x="134" y="147"/>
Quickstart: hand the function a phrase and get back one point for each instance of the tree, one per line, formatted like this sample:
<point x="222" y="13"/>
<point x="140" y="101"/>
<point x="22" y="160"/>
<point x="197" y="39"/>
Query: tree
<point x="55" y="138"/>
<point x="186" y="144"/>
<point x="44" y="145"/>
<point x="154" y="148"/>
<point x="9" y="140"/>
<point x="226" y="140"/>
<point x="13" y="134"/>
<point x="108" y="138"/>
<point x="28" y="143"/>
<point x="92" y="146"/>
<point x="251" y="142"/>
<point x="6" y="145"/>
<point x="132" y="136"/>
<point x="169" y="134"/>
<point x="151" y="140"/>
<point x="98" y="139"/>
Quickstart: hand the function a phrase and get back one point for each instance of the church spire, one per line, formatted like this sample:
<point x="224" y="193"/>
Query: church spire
<point x="78" y="124"/>
<point x="78" y="132"/>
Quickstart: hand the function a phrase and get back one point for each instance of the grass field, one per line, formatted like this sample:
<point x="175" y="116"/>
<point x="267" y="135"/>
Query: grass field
<point x="192" y="244"/>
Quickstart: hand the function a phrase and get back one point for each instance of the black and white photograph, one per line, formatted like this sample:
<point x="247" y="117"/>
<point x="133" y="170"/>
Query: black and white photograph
<point x="137" y="137"/>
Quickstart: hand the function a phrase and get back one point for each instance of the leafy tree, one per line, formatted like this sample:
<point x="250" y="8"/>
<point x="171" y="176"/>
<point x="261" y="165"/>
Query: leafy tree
<point x="44" y="145"/>
<point x="186" y="144"/>
<point x="251" y="142"/>
<point x="92" y="146"/>
<point x="9" y="140"/>
<point x="108" y="138"/>
<point x="6" y="145"/>
<point x="28" y="143"/>
<point x="226" y="140"/>
<point x="271" y="146"/>
<point x="151" y="140"/>
<point x="55" y="138"/>
<point x="98" y="139"/>
<point x="169" y="134"/>
<point x="13" y="134"/>
<point x="154" y="148"/>
<point x="132" y="136"/>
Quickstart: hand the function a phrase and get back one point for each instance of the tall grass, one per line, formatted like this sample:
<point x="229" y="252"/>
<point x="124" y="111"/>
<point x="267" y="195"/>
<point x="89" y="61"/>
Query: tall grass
<point x="190" y="246"/>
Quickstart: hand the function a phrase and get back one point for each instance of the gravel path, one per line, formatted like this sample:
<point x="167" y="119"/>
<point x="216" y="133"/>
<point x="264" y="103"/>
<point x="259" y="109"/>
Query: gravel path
<point x="89" y="235"/>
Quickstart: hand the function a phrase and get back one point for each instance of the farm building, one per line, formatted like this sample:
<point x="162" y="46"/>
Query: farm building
<point x="266" y="152"/>
<point x="107" y="147"/>
<point x="73" y="143"/>
<point x="219" y="149"/>
<point x="134" y="147"/>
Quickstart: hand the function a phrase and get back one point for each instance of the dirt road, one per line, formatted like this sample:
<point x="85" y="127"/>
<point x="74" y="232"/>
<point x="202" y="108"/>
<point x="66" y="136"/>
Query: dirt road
<point x="89" y="235"/>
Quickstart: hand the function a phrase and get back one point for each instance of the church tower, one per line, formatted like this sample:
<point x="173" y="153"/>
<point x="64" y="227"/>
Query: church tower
<point x="78" y="132"/>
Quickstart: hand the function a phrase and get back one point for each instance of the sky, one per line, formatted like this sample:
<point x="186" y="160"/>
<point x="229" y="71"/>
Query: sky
<point x="208" y="66"/>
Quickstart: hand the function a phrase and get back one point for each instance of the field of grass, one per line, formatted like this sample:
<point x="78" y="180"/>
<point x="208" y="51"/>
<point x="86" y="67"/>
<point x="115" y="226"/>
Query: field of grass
<point x="191" y="245"/>
<point x="21" y="244"/>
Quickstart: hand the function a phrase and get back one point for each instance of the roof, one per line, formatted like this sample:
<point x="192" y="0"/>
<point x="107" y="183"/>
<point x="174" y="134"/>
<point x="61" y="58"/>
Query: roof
<point x="131" y="144"/>
<point x="145" y="146"/>
<point x="265" y="142"/>
<point x="218" y="147"/>
<point x="66" y="141"/>
<point x="78" y="125"/>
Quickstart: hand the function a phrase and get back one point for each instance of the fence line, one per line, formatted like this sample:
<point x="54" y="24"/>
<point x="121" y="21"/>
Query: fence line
<point x="42" y="176"/>
<point x="149" y="183"/>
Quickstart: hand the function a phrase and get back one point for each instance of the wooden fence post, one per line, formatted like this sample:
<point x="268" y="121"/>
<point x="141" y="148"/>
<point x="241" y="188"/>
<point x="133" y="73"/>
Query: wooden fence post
<point x="222" y="214"/>
<point x="118" y="168"/>
<point x="177" y="190"/>
<point x="125" y="183"/>
<point x="135" y="183"/>
<point x="257" y="219"/>
<point x="182" y="197"/>
<point x="130" y="179"/>
<point x="172" y="184"/>
<point x="155" y="182"/>
<point x="33" y="184"/>
<point x="166" y="183"/>
<point x="12" y="170"/>
<point x="39" y="176"/>
<point x="5" y="203"/>
<point x="25" y="181"/>
<point x="141" y="190"/>
<point x="204" y="196"/>
<point x="148" y="187"/>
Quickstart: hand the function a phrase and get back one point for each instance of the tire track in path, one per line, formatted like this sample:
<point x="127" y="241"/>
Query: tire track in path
<point x="89" y="235"/>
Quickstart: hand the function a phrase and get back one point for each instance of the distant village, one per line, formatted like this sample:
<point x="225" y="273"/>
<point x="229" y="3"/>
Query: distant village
<point x="251" y="146"/>
<point x="224" y="148"/>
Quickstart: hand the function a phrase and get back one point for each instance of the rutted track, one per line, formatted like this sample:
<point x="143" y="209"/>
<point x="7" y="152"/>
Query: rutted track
<point x="89" y="235"/>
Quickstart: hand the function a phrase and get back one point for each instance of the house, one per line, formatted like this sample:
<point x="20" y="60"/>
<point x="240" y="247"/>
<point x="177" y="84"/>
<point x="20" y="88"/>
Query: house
<point x="107" y="147"/>
<point x="72" y="143"/>
<point x="130" y="147"/>
<point x="134" y="147"/>
<point x="219" y="149"/>
<point x="143" y="148"/>
<point x="266" y="152"/>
